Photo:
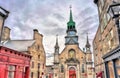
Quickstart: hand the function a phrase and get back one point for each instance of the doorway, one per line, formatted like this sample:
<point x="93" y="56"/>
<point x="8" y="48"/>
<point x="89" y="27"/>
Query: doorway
<point x="72" y="72"/>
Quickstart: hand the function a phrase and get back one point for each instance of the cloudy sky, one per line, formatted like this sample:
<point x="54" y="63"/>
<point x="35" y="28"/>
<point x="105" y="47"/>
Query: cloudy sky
<point x="50" y="17"/>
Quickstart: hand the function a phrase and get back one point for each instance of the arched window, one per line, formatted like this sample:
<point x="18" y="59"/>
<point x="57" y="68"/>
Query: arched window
<point x="83" y="68"/>
<point x="71" y="53"/>
<point x="38" y="57"/>
<point x="71" y="68"/>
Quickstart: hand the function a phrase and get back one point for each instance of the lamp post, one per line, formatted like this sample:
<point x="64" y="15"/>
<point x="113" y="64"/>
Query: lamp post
<point x="114" y="12"/>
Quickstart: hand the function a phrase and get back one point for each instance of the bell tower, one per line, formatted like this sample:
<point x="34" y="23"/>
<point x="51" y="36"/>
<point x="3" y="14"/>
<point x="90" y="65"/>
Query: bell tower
<point x="71" y="37"/>
<point x="56" y="54"/>
<point x="88" y="52"/>
<point x="89" y="62"/>
<point x="56" y="59"/>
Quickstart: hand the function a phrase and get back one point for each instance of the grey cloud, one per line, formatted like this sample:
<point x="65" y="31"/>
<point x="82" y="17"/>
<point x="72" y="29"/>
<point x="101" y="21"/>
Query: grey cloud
<point x="58" y="17"/>
<point x="54" y="31"/>
<point x="27" y="15"/>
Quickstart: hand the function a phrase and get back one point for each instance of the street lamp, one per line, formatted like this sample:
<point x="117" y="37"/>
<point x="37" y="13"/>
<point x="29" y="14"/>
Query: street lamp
<point x="114" y="12"/>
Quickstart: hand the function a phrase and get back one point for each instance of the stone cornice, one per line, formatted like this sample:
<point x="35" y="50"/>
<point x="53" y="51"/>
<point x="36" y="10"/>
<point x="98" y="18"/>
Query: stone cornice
<point x="115" y="53"/>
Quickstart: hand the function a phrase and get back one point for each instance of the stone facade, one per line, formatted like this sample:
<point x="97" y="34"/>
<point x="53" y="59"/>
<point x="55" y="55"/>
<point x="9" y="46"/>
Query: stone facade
<point x="106" y="38"/>
<point x="72" y="62"/>
<point x="38" y="60"/>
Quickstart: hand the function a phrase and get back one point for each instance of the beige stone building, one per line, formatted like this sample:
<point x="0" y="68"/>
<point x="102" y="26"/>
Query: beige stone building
<point x="72" y="62"/>
<point x="34" y="47"/>
<point x="38" y="62"/>
<point x="106" y="43"/>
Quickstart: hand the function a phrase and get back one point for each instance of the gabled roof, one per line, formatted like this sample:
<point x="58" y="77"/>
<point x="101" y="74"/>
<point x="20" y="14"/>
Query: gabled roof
<point x="19" y="45"/>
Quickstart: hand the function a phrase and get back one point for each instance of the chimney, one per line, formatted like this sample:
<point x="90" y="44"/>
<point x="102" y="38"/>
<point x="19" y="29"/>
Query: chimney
<point x="6" y="34"/>
<point x="37" y="36"/>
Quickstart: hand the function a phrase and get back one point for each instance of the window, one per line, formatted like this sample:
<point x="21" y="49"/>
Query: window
<point x="11" y="71"/>
<point x="38" y="65"/>
<point x="110" y="66"/>
<point x="62" y="68"/>
<point x="83" y="68"/>
<point x="112" y="42"/>
<point x="32" y="74"/>
<point x="38" y="57"/>
<point x="32" y="64"/>
<point x="71" y="54"/>
<point x="117" y="62"/>
<point x="55" y="74"/>
<point x="38" y="47"/>
<point x="111" y="33"/>
<point x="105" y="20"/>
<point x="43" y="66"/>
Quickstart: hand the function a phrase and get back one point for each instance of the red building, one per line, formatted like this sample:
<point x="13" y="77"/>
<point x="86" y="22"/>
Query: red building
<point x="14" y="64"/>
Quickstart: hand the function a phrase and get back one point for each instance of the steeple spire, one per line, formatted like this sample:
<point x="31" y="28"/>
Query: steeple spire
<point x="87" y="43"/>
<point x="71" y="23"/>
<point x="71" y="19"/>
<point x="56" y="45"/>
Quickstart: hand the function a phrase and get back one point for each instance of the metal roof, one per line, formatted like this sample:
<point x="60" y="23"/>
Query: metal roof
<point x="19" y="45"/>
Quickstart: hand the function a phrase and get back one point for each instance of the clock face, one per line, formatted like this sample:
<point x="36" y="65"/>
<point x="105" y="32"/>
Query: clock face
<point x="71" y="54"/>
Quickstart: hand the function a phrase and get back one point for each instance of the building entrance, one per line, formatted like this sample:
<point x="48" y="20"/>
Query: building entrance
<point x="72" y="72"/>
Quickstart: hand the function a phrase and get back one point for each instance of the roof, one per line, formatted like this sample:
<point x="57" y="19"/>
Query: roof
<point x="19" y="45"/>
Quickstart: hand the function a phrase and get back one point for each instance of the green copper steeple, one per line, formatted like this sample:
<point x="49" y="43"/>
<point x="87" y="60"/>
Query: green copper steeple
<point x="71" y="23"/>
<point x="71" y="37"/>
<point x="71" y="19"/>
